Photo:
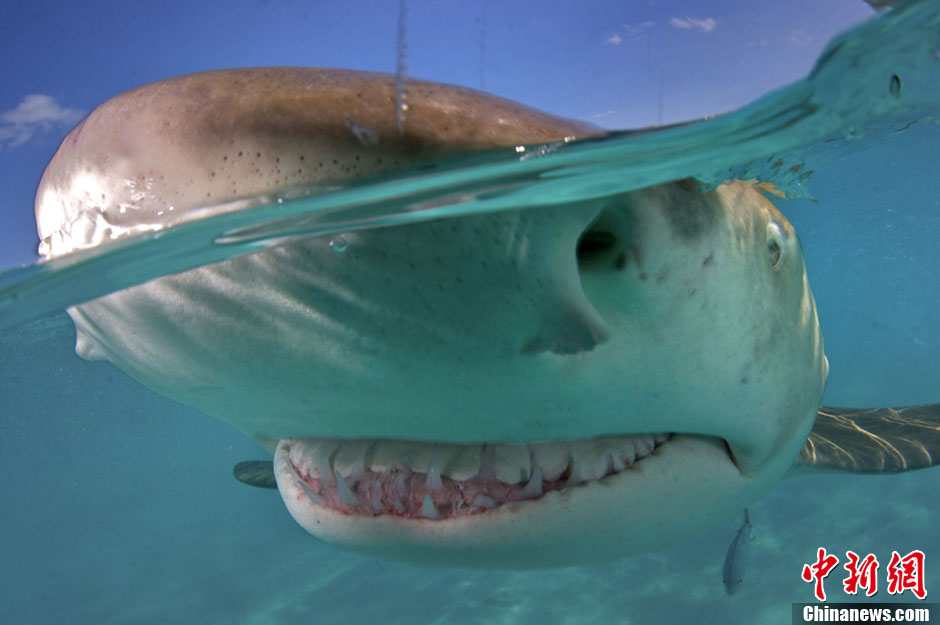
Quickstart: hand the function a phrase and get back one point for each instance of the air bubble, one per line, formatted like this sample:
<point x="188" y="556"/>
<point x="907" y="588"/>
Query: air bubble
<point x="339" y="245"/>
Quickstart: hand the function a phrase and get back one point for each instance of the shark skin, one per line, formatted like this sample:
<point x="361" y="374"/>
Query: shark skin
<point x="667" y="310"/>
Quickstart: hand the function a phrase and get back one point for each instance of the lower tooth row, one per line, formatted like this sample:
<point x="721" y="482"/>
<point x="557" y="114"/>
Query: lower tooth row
<point x="592" y="459"/>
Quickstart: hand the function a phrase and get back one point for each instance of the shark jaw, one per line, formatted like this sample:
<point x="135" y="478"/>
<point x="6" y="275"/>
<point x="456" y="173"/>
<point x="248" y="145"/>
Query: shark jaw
<point x="615" y="496"/>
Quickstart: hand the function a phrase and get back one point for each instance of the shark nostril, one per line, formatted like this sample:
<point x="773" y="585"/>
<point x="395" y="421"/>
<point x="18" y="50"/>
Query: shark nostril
<point x="601" y="245"/>
<point x="600" y="248"/>
<point x="595" y="245"/>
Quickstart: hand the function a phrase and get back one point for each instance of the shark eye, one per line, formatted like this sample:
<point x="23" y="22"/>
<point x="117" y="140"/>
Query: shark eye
<point x="775" y="248"/>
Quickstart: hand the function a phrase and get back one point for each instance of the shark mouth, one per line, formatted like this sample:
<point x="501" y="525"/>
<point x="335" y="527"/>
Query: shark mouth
<point x="440" y="481"/>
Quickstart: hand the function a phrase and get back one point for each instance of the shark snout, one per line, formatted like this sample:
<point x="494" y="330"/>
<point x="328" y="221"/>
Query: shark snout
<point x="568" y="320"/>
<point x="576" y="328"/>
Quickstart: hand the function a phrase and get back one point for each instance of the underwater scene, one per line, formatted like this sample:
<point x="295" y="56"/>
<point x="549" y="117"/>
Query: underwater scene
<point x="521" y="284"/>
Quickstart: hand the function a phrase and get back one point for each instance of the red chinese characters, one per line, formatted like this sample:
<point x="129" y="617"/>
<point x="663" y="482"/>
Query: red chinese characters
<point x="819" y="570"/>
<point x="907" y="573"/>
<point x="903" y="573"/>
<point x="864" y="574"/>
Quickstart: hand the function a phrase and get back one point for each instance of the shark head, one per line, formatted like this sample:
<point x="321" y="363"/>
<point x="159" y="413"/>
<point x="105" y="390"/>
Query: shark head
<point x="535" y="387"/>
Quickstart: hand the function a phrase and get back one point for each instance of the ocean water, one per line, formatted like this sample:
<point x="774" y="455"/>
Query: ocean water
<point x="119" y="505"/>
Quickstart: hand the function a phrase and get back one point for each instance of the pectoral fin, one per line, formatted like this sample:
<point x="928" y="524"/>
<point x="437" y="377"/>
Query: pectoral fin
<point x="872" y="440"/>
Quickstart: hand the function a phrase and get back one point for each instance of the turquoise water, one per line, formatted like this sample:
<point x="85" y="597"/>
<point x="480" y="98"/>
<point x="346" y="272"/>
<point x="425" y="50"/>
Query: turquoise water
<point x="119" y="505"/>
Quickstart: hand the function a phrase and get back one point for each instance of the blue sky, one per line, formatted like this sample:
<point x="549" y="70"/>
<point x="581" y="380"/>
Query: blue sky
<point x="617" y="63"/>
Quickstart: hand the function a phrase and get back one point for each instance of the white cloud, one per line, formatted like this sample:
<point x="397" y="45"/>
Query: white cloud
<point x="637" y="31"/>
<point x="800" y="38"/>
<point x="36" y="112"/>
<point x="631" y="32"/>
<point x="704" y="25"/>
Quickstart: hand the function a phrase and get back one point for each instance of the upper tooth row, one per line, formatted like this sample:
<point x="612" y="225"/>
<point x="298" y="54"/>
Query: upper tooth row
<point x="512" y="464"/>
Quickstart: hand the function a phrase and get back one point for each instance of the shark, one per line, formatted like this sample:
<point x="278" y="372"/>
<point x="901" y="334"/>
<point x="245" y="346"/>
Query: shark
<point x="535" y="387"/>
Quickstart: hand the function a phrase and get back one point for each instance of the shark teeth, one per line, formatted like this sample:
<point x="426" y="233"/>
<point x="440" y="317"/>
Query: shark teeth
<point x="512" y="463"/>
<point x="352" y="458"/>
<point x="428" y="509"/>
<point x="482" y="501"/>
<point x="345" y="495"/>
<point x="315" y="498"/>
<point x="374" y="477"/>
<point x="327" y="477"/>
<point x="433" y="480"/>
<point x="574" y="474"/>
<point x="506" y="463"/>
<point x="552" y="458"/>
<point x="533" y="488"/>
